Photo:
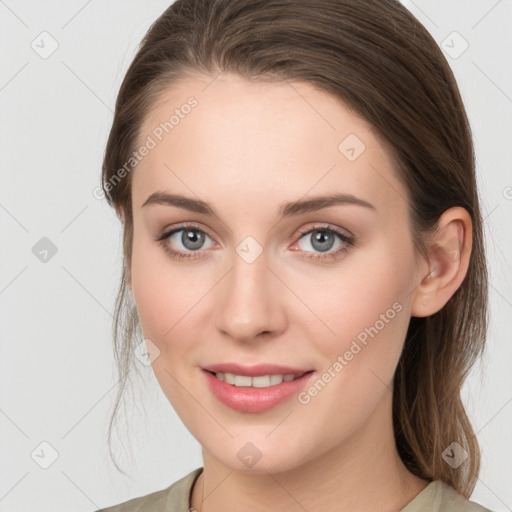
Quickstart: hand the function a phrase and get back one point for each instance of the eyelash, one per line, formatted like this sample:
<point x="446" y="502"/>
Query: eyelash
<point x="162" y="240"/>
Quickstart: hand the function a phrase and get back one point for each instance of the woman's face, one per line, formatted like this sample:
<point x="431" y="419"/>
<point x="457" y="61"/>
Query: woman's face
<point x="260" y="282"/>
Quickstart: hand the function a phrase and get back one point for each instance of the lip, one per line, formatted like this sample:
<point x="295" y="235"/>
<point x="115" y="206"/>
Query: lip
<point x="251" y="399"/>
<point x="255" y="370"/>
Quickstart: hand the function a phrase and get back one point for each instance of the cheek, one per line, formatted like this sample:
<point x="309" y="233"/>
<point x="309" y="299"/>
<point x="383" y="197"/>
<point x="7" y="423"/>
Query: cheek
<point x="165" y="301"/>
<point x="148" y="293"/>
<point x="169" y="297"/>
<point x="368" y="313"/>
<point x="359" y="360"/>
<point x="164" y="306"/>
<point x="154" y="291"/>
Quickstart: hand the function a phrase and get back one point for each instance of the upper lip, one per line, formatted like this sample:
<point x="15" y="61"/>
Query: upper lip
<point x="255" y="370"/>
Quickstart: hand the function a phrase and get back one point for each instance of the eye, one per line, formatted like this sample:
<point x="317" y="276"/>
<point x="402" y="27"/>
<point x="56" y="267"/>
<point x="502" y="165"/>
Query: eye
<point x="323" y="238"/>
<point x="190" y="240"/>
<point x="187" y="238"/>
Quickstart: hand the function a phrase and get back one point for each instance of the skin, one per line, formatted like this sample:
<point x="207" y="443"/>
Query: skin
<point x="246" y="148"/>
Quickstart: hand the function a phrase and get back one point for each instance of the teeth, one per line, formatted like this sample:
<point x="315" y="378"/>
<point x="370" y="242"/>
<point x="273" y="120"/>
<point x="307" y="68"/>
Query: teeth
<point x="261" y="381"/>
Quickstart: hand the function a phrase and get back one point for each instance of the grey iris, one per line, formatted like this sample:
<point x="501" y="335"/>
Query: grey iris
<point x="192" y="239"/>
<point x="319" y="240"/>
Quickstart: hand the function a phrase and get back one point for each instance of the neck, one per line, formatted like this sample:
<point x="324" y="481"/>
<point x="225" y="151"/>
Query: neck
<point x="363" y="472"/>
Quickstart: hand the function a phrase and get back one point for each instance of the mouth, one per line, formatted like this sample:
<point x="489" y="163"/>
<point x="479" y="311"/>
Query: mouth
<point x="257" y="393"/>
<point x="259" y="381"/>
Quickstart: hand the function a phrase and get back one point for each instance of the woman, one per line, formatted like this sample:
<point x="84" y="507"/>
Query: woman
<point x="303" y="254"/>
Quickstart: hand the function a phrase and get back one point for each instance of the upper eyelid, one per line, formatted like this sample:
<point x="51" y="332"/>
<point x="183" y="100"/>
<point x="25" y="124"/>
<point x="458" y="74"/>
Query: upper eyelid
<point x="191" y="226"/>
<point x="301" y="232"/>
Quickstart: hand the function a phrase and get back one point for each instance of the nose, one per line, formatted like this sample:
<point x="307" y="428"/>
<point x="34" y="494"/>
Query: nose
<point x="248" y="301"/>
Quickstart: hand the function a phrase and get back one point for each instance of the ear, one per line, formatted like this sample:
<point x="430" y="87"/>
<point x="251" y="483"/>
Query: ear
<point x="449" y="250"/>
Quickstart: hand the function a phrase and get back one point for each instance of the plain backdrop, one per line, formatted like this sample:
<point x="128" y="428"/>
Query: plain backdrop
<point x="61" y="67"/>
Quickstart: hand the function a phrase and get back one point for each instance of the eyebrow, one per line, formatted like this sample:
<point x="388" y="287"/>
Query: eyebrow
<point x="288" y="209"/>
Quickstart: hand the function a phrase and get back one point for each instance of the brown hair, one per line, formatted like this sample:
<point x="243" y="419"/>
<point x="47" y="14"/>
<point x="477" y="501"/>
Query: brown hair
<point x="376" y="57"/>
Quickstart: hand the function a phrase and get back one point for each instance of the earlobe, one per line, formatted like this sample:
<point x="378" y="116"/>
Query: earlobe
<point x="449" y="250"/>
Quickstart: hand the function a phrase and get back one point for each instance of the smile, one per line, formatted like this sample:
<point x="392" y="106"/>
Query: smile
<point x="261" y="381"/>
<point x="255" y="394"/>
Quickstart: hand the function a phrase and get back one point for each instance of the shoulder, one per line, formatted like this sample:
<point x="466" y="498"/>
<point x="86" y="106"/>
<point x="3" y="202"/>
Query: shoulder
<point x="448" y="497"/>
<point x="457" y="502"/>
<point x="174" y="498"/>
<point x="438" y="497"/>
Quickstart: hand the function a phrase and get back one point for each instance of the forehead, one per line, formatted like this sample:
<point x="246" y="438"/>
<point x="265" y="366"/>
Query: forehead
<point x="250" y="142"/>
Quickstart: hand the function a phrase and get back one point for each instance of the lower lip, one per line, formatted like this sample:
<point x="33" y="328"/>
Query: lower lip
<point x="250" y="399"/>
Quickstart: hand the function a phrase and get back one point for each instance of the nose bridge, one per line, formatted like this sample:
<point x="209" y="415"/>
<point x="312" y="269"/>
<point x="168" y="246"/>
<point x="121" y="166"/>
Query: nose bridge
<point x="248" y="304"/>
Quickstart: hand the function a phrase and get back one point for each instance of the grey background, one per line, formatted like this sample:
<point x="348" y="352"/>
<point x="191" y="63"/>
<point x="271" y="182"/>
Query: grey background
<point x="56" y="363"/>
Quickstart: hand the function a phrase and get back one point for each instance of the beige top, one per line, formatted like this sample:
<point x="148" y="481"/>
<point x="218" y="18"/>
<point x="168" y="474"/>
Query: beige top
<point x="436" y="497"/>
